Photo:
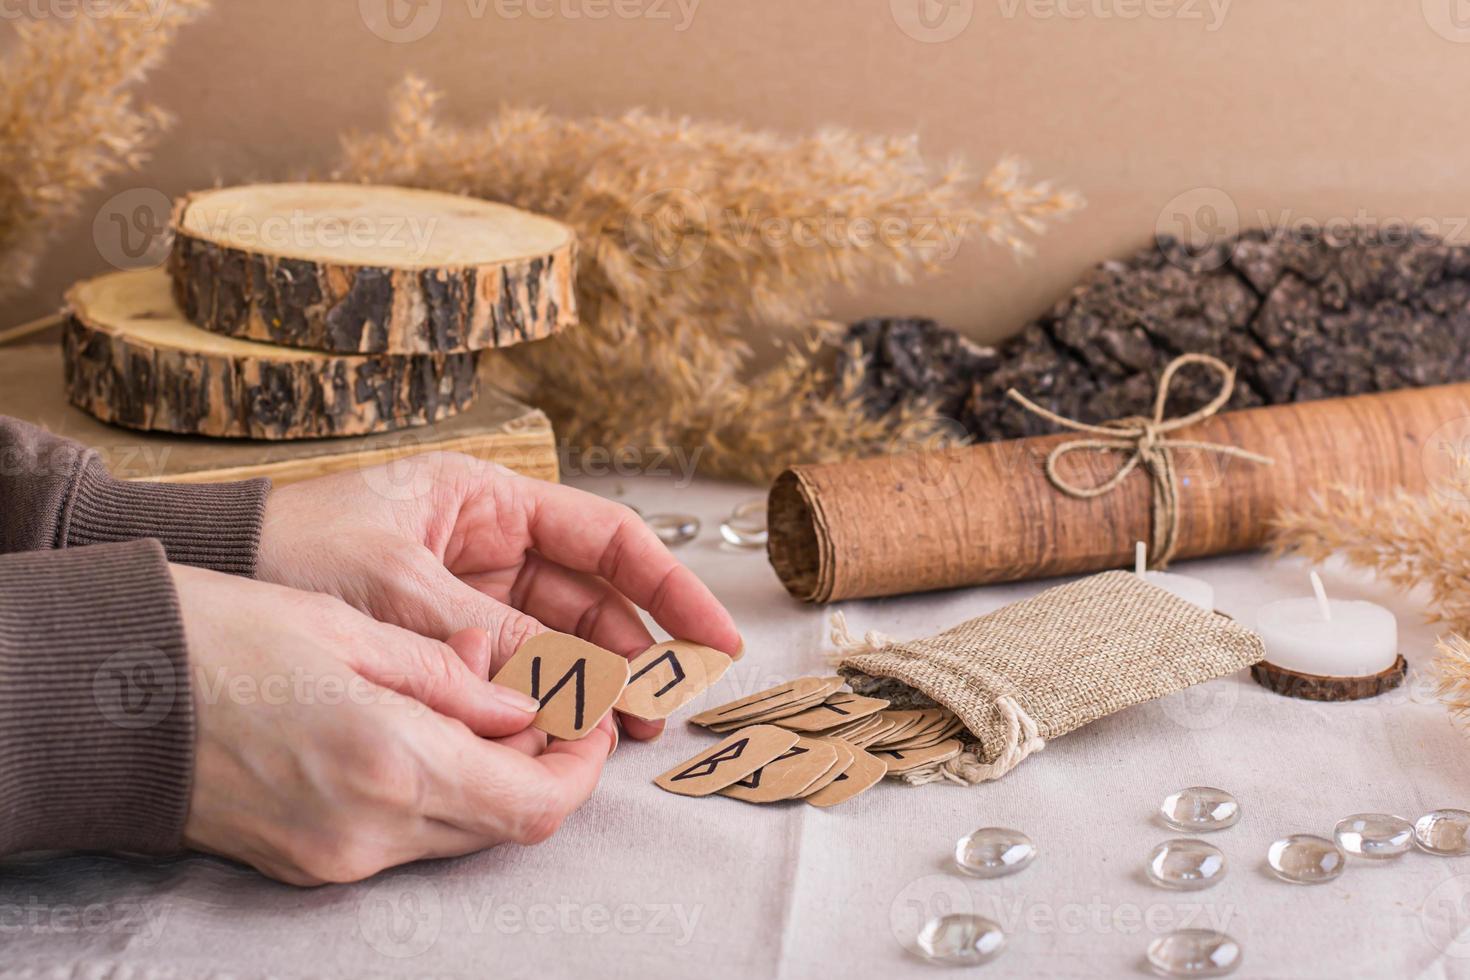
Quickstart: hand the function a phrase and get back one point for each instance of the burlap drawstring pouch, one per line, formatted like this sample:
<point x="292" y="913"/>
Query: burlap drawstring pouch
<point x="1040" y="668"/>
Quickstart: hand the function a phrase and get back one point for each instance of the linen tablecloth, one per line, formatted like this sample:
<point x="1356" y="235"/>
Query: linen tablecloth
<point x="644" y="885"/>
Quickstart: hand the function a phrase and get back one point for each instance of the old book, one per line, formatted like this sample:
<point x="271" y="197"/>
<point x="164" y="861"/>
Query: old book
<point x="497" y="428"/>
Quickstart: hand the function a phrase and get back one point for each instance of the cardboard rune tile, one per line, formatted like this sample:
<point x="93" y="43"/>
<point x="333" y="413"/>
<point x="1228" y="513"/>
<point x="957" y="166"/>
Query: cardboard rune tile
<point x="667" y="676"/>
<point x="785" y="776"/>
<point x="733" y="759"/>
<point x="844" y="759"/>
<point x="932" y="736"/>
<point x="577" y="683"/>
<point x="762" y="702"/>
<point x="903" y="760"/>
<point x="864" y="773"/>
<point x="776" y="714"/>
<point x="838" y="709"/>
<point x="912" y="722"/>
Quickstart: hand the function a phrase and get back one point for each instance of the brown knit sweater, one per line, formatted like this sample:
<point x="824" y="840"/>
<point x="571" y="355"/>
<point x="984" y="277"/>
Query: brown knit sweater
<point x="96" y="713"/>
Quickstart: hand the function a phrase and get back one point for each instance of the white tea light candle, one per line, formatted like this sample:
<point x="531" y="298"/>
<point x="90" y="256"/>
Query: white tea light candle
<point x="1186" y="587"/>
<point x="1328" y="637"/>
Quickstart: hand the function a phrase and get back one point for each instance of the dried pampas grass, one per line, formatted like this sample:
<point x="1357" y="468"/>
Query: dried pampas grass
<point x="693" y="236"/>
<point x="69" y="119"/>
<point x="1409" y="541"/>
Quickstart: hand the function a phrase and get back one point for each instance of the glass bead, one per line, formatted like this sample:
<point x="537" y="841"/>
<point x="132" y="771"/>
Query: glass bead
<point x="746" y="525"/>
<point x="993" y="852"/>
<point x="1200" y="809"/>
<point x="1374" y="835"/>
<point x="1185" y="865"/>
<point x="1305" y="859"/>
<point x="674" y="529"/>
<point x="960" y="940"/>
<point x="1194" y="953"/>
<point x="1443" y="832"/>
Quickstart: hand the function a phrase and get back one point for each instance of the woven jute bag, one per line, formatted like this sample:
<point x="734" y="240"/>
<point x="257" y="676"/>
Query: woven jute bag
<point x="1040" y="668"/>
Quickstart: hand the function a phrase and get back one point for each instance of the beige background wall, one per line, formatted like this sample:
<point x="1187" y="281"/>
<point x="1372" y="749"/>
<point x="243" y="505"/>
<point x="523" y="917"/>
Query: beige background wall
<point x="1276" y="108"/>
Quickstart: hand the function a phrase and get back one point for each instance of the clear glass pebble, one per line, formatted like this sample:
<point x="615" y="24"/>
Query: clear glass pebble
<point x="674" y="529"/>
<point x="993" y="852"/>
<point x="1374" y="835"/>
<point x="960" y="940"/>
<point x="1305" y="859"/>
<point x="1185" y="865"/>
<point x="1200" y="809"/>
<point x="1194" y="953"/>
<point x="1443" y="832"/>
<point x="746" y="525"/>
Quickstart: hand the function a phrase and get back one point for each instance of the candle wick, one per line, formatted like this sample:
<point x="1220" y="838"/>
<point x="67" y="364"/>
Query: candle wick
<point x="1140" y="559"/>
<point x="1322" y="602"/>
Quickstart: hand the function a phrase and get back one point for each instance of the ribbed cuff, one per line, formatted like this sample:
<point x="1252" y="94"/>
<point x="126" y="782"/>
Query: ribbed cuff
<point x="96" y="715"/>
<point x="215" y="526"/>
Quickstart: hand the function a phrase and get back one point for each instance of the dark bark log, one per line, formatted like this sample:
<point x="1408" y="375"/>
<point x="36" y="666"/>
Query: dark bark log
<point x="322" y="304"/>
<point x="1301" y="317"/>
<point x="211" y="389"/>
<point x="1311" y="687"/>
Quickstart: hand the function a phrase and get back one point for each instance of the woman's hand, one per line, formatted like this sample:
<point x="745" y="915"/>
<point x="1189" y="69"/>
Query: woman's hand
<point x="443" y="542"/>
<point x="331" y="746"/>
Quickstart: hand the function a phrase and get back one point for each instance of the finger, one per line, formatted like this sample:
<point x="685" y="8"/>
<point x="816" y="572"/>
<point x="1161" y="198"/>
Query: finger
<point x="474" y="648"/>
<point x="589" y="534"/>
<point x="577" y="766"/>
<point x="487" y="789"/>
<point x="530" y="742"/>
<point x="586" y="606"/>
<point x="581" y="604"/>
<point x="433" y="601"/>
<point x="434" y="674"/>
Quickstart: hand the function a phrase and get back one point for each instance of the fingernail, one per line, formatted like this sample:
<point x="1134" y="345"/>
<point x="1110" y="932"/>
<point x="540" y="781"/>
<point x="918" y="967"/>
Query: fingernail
<point x="515" y="699"/>
<point x="613" y="747"/>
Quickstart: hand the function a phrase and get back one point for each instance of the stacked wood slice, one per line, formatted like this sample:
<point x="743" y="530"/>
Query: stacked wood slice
<point x="299" y="311"/>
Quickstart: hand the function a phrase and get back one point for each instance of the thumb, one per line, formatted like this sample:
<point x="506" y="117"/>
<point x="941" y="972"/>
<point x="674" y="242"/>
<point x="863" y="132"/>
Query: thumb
<point x="433" y="601"/>
<point x="436" y="675"/>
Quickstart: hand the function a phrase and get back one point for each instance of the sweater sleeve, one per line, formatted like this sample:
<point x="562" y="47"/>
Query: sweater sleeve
<point x="55" y="493"/>
<point x="96" y="714"/>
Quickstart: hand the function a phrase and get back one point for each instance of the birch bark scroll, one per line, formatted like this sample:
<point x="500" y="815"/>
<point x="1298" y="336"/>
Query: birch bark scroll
<point x="131" y="359"/>
<point x="358" y="269"/>
<point x="983" y="514"/>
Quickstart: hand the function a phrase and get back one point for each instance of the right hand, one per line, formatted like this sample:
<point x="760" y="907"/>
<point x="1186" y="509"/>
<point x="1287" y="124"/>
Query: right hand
<point x="330" y="746"/>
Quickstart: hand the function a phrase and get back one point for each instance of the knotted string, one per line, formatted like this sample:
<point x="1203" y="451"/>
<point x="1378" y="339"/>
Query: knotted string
<point x="1144" y="440"/>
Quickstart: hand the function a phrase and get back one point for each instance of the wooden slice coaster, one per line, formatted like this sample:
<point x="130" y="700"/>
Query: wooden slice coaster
<point x="133" y="360"/>
<point x="354" y="268"/>
<point x="1313" y="687"/>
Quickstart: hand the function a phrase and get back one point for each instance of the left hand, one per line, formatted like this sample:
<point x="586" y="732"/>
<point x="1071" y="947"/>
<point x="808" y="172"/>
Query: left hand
<point x="444" y="542"/>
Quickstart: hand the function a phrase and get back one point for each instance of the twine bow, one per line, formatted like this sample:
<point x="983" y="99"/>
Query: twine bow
<point x="1145" y="440"/>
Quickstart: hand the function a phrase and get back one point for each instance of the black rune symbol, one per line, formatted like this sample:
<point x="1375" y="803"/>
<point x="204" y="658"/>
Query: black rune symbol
<point x="753" y="781"/>
<point x="674" y="665"/>
<point x="708" y="766"/>
<point x="578" y="670"/>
